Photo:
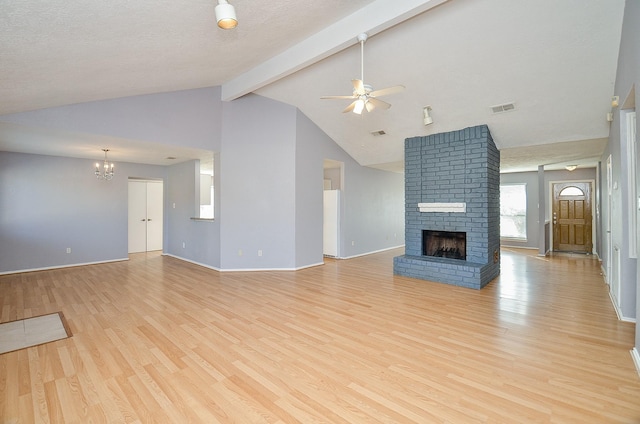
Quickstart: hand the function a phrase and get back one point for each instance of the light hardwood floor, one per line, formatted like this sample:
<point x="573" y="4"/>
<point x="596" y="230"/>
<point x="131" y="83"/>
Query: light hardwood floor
<point x="156" y="339"/>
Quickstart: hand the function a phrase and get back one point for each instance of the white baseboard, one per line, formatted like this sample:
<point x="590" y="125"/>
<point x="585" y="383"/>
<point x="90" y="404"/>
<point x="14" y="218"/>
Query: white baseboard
<point x="635" y="355"/>
<point x="47" y="268"/>
<point x="604" y="273"/>
<point x="371" y="253"/>
<point x="241" y="269"/>
<point x="518" y="247"/>
<point x="191" y="262"/>
<point x="621" y="317"/>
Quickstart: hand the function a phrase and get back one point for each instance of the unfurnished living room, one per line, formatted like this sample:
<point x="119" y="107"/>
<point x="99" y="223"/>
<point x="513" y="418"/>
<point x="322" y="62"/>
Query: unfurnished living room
<point x="343" y="212"/>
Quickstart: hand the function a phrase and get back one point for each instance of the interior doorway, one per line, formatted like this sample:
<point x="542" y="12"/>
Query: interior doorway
<point x="572" y="217"/>
<point x="145" y="215"/>
<point x="333" y="177"/>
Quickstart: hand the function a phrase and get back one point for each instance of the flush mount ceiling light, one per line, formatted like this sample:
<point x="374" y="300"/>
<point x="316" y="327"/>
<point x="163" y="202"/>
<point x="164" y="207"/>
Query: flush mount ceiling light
<point x="107" y="168"/>
<point x="226" y="15"/>
<point x="571" y="167"/>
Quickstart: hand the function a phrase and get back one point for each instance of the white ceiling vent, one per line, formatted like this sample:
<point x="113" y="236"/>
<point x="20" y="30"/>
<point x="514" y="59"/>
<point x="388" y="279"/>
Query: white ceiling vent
<point x="503" y="108"/>
<point x="377" y="133"/>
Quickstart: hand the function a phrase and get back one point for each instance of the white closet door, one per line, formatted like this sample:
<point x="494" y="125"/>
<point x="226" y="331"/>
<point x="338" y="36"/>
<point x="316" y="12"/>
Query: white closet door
<point x="145" y="216"/>
<point x="137" y="216"/>
<point x="154" y="215"/>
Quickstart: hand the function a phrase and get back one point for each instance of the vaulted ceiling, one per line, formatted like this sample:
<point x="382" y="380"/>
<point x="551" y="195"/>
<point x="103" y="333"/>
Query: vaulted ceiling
<point x="555" y="61"/>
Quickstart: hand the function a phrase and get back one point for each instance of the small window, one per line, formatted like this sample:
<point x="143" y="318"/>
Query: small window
<point x="513" y="211"/>
<point x="571" y="191"/>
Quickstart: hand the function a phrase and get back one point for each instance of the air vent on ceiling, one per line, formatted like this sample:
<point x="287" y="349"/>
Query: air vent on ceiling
<point x="503" y="108"/>
<point x="377" y="133"/>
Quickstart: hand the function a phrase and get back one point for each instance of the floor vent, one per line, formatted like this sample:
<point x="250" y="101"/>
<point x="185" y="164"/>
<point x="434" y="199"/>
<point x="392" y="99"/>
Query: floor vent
<point x="503" y="108"/>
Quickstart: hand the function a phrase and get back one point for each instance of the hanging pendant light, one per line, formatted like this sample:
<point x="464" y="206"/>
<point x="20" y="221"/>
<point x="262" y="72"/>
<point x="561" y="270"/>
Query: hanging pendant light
<point x="226" y="15"/>
<point x="107" y="168"/>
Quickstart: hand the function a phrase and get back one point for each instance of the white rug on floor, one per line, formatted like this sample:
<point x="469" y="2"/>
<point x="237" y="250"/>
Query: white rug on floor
<point x="28" y="332"/>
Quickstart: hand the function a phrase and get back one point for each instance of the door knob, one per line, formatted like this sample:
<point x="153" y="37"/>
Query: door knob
<point x="143" y="220"/>
<point x="149" y="219"/>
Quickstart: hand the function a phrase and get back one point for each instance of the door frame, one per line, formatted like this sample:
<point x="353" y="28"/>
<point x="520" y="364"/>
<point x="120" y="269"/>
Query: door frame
<point x="593" y="215"/>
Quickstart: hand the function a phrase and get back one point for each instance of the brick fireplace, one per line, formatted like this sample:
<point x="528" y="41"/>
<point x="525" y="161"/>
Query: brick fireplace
<point x="452" y="208"/>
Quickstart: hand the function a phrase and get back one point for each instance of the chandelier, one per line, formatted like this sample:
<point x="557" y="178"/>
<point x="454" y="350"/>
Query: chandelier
<point x="107" y="168"/>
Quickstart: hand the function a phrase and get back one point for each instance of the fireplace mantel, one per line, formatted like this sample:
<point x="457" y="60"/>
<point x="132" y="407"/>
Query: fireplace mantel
<point x="442" y="207"/>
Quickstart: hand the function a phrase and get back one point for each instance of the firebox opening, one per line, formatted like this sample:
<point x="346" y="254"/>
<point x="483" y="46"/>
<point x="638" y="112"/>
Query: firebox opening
<point x="444" y="244"/>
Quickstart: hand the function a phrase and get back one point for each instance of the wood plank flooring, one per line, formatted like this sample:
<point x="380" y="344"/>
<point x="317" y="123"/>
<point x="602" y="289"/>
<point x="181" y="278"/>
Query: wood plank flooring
<point x="156" y="339"/>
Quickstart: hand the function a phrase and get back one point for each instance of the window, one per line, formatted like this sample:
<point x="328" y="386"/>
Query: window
<point x="513" y="211"/>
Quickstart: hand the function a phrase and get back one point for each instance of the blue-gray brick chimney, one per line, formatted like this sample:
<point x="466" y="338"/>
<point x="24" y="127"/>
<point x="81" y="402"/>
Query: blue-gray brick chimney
<point x="455" y="167"/>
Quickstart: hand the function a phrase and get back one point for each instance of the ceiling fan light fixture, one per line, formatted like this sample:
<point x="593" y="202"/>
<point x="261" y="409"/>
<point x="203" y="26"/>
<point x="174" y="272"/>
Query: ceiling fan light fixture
<point x="363" y="95"/>
<point x="226" y="15"/>
<point x="359" y="107"/>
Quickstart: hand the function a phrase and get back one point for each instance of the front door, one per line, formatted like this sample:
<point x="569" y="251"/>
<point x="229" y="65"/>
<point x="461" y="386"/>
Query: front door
<point x="572" y="217"/>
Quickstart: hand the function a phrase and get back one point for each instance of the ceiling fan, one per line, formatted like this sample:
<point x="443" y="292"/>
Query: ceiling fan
<point x="364" y="96"/>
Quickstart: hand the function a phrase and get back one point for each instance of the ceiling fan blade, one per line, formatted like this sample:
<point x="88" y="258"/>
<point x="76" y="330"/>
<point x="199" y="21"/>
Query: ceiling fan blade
<point x="377" y="103"/>
<point x="369" y="105"/>
<point x="338" y="97"/>
<point x="358" y="87"/>
<point x="350" y="107"/>
<point x="387" y="91"/>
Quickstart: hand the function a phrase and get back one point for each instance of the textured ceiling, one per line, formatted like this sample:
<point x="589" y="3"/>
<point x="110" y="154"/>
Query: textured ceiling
<point x="555" y="60"/>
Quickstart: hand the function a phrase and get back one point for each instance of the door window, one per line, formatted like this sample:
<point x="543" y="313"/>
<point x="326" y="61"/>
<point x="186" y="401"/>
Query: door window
<point x="571" y="191"/>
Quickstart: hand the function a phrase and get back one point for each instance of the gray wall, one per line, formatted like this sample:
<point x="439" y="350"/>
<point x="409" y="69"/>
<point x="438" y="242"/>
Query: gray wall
<point x="201" y="238"/>
<point x="537" y="195"/>
<point x="268" y="184"/>
<point x="372" y="201"/>
<point x="53" y="203"/>
<point x="627" y="76"/>
<point x="188" y="118"/>
<point x="258" y="184"/>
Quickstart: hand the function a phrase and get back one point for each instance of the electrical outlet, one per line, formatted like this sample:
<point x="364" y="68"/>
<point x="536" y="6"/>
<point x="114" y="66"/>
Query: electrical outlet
<point x="259" y="252"/>
<point x="240" y="252"/>
<point x="353" y="243"/>
<point x="68" y="250"/>
<point x="184" y="244"/>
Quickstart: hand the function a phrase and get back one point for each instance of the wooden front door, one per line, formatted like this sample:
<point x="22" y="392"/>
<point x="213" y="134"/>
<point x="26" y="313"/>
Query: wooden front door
<point x="572" y="217"/>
